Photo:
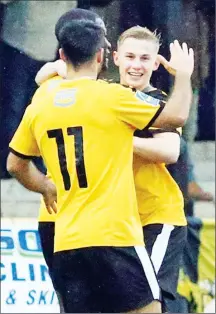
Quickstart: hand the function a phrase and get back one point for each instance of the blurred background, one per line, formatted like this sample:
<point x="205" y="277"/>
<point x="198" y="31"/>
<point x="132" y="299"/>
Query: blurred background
<point x="27" y="42"/>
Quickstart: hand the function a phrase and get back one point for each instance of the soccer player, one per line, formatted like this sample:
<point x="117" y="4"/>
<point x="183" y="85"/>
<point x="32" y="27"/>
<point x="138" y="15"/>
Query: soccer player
<point x="46" y="221"/>
<point x="83" y="129"/>
<point x="160" y="201"/>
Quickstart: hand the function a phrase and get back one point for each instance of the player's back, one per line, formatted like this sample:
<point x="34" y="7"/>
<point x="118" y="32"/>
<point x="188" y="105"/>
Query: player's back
<point x="81" y="141"/>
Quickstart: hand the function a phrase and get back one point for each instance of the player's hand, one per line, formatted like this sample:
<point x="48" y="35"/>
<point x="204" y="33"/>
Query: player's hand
<point x="50" y="197"/>
<point x="181" y="60"/>
<point x="51" y="69"/>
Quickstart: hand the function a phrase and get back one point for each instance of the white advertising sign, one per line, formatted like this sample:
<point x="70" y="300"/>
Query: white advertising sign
<point x="25" y="283"/>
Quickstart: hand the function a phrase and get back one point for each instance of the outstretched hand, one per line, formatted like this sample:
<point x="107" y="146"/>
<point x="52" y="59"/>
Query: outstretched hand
<point x="181" y="59"/>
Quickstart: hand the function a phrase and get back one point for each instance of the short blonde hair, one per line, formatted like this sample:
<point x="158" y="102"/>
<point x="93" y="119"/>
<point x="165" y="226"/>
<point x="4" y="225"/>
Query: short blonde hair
<point x="139" y="32"/>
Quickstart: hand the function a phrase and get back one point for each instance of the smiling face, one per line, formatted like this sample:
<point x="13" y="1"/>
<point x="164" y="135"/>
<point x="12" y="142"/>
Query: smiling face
<point x="136" y="59"/>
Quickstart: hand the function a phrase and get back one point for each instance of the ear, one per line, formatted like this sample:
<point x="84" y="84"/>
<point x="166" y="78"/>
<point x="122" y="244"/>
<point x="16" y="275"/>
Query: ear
<point x="156" y="64"/>
<point x="100" y="55"/>
<point x="62" y="55"/>
<point x="116" y="58"/>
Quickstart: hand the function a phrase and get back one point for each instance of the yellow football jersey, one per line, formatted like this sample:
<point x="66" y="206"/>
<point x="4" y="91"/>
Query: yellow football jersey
<point x="47" y="86"/>
<point x="158" y="195"/>
<point x="83" y="130"/>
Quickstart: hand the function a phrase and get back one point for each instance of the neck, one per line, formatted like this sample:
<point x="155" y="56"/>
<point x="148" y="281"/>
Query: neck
<point x="89" y="72"/>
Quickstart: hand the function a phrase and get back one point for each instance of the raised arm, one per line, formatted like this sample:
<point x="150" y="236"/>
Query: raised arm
<point x="177" y="108"/>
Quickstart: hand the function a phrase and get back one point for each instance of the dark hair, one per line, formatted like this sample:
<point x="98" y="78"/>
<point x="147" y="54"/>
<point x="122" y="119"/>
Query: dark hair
<point x="81" y="33"/>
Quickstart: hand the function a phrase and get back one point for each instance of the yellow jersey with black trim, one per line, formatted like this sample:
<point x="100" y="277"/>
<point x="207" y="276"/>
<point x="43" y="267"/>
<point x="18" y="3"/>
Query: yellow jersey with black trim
<point x="83" y="129"/>
<point x="47" y="86"/>
<point x="158" y="195"/>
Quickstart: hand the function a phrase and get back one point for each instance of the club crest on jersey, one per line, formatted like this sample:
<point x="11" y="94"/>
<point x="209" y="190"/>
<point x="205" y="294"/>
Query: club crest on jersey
<point x="65" y="98"/>
<point x="147" y="98"/>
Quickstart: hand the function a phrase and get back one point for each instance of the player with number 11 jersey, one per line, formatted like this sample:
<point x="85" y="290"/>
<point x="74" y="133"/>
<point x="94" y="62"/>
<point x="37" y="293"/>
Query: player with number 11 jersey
<point x="72" y="132"/>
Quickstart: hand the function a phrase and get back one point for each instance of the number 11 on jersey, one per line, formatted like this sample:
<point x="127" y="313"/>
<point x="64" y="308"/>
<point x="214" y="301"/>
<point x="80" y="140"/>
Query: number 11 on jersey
<point x="77" y="132"/>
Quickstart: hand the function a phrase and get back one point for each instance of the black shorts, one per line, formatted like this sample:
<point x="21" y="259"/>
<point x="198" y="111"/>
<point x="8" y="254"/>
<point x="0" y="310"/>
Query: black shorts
<point x="47" y="231"/>
<point x="165" y="244"/>
<point x="105" y="279"/>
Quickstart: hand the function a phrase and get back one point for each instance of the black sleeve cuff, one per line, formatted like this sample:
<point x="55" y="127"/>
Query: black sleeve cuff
<point x="162" y="105"/>
<point x="19" y="154"/>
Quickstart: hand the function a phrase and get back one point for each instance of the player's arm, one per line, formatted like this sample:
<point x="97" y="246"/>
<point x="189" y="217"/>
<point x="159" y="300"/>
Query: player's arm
<point x="28" y="175"/>
<point x="181" y="65"/>
<point x="163" y="147"/>
<point x="51" y="69"/>
<point x="22" y="148"/>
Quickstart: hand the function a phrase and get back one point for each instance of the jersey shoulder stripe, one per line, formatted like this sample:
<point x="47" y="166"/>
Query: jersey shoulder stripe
<point x="159" y="94"/>
<point x="147" y="98"/>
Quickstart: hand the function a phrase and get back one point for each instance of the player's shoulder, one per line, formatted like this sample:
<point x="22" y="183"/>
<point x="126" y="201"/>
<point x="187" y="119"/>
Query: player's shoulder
<point x="30" y="113"/>
<point x="120" y="91"/>
<point x="116" y="86"/>
<point x="44" y="93"/>
<point x="114" y="90"/>
<point x="46" y="88"/>
<point x="158" y="93"/>
<point x="102" y="85"/>
<point x="103" y="82"/>
<point x="51" y="83"/>
<point x="127" y="92"/>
